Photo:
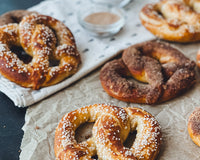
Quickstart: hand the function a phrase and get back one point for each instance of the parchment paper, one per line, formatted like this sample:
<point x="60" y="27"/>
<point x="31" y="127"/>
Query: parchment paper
<point x="42" y="118"/>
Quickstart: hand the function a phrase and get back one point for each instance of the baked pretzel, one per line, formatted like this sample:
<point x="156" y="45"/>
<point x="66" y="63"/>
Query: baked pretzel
<point x="163" y="70"/>
<point x="173" y="20"/>
<point x="44" y="38"/>
<point x="111" y="128"/>
<point x="198" y="59"/>
<point x="193" y="126"/>
<point x="13" y="16"/>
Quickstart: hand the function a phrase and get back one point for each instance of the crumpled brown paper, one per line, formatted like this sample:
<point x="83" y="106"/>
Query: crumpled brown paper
<point x="42" y="118"/>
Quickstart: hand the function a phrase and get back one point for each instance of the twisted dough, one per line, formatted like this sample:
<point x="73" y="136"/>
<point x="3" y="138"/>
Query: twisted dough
<point x="173" y="20"/>
<point x="163" y="70"/>
<point x="111" y="128"/>
<point x="44" y="38"/>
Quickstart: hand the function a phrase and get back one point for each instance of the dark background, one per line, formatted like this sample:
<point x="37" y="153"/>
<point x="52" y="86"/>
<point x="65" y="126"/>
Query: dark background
<point x="11" y="117"/>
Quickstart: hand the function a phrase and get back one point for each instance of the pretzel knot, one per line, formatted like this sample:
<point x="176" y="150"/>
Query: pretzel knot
<point x="163" y="70"/>
<point x="173" y="20"/>
<point x="111" y="128"/>
<point x="45" y="39"/>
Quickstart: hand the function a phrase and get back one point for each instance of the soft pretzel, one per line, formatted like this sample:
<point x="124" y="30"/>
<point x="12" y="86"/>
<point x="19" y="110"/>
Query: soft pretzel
<point x="111" y="128"/>
<point x="198" y="58"/>
<point x="13" y="16"/>
<point x="44" y="38"/>
<point x="173" y="20"/>
<point x="163" y="70"/>
<point x="194" y="126"/>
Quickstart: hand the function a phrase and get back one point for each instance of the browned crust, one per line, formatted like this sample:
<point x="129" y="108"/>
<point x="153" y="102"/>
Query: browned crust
<point x="167" y="71"/>
<point x="171" y="28"/>
<point x="113" y="81"/>
<point x="19" y="78"/>
<point x="42" y="37"/>
<point x="194" y="126"/>
<point x="155" y="129"/>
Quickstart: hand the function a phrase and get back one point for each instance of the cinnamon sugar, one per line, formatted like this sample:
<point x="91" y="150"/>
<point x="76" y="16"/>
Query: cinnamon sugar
<point x="195" y="121"/>
<point x="102" y="18"/>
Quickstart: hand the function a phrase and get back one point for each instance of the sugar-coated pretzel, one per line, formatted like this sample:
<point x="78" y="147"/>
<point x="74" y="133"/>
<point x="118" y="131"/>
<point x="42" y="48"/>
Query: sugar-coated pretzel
<point x="44" y="38"/>
<point x="165" y="69"/>
<point x="173" y="20"/>
<point x="112" y="125"/>
<point x="194" y="126"/>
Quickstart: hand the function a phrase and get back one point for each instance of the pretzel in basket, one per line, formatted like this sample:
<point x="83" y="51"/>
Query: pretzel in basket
<point x="111" y="128"/>
<point x="173" y="20"/>
<point x="45" y="39"/>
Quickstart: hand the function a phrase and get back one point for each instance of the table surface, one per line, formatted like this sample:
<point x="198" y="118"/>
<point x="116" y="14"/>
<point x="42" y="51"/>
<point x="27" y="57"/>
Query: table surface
<point x="11" y="117"/>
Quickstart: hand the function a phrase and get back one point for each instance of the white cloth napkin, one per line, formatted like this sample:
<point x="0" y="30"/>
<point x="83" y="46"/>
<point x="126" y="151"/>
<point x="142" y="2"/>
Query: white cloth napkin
<point x="94" y="51"/>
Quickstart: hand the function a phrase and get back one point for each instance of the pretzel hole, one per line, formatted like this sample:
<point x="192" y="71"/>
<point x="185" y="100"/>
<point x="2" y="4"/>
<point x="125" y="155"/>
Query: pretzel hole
<point x="53" y="62"/>
<point x="159" y="14"/>
<point x="130" y="139"/>
<point x="132" y="79"/>
<point x="15" y="19"/>
<point x="95" y="157"/>
<point x="21" y="54"/>
<point x="127" y="75"/>
<point x="84" y="132"/>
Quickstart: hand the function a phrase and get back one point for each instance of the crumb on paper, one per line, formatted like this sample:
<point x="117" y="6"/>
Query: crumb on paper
<point x="37" y="127"/>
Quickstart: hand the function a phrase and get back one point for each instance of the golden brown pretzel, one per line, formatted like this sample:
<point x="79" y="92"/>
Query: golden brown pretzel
<point x="173" y="20"/>
<point x="166" y="71"/>
<point x="43" y="38"/>
<point x="194" y="126"/>
<point x="111" y="128"/>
